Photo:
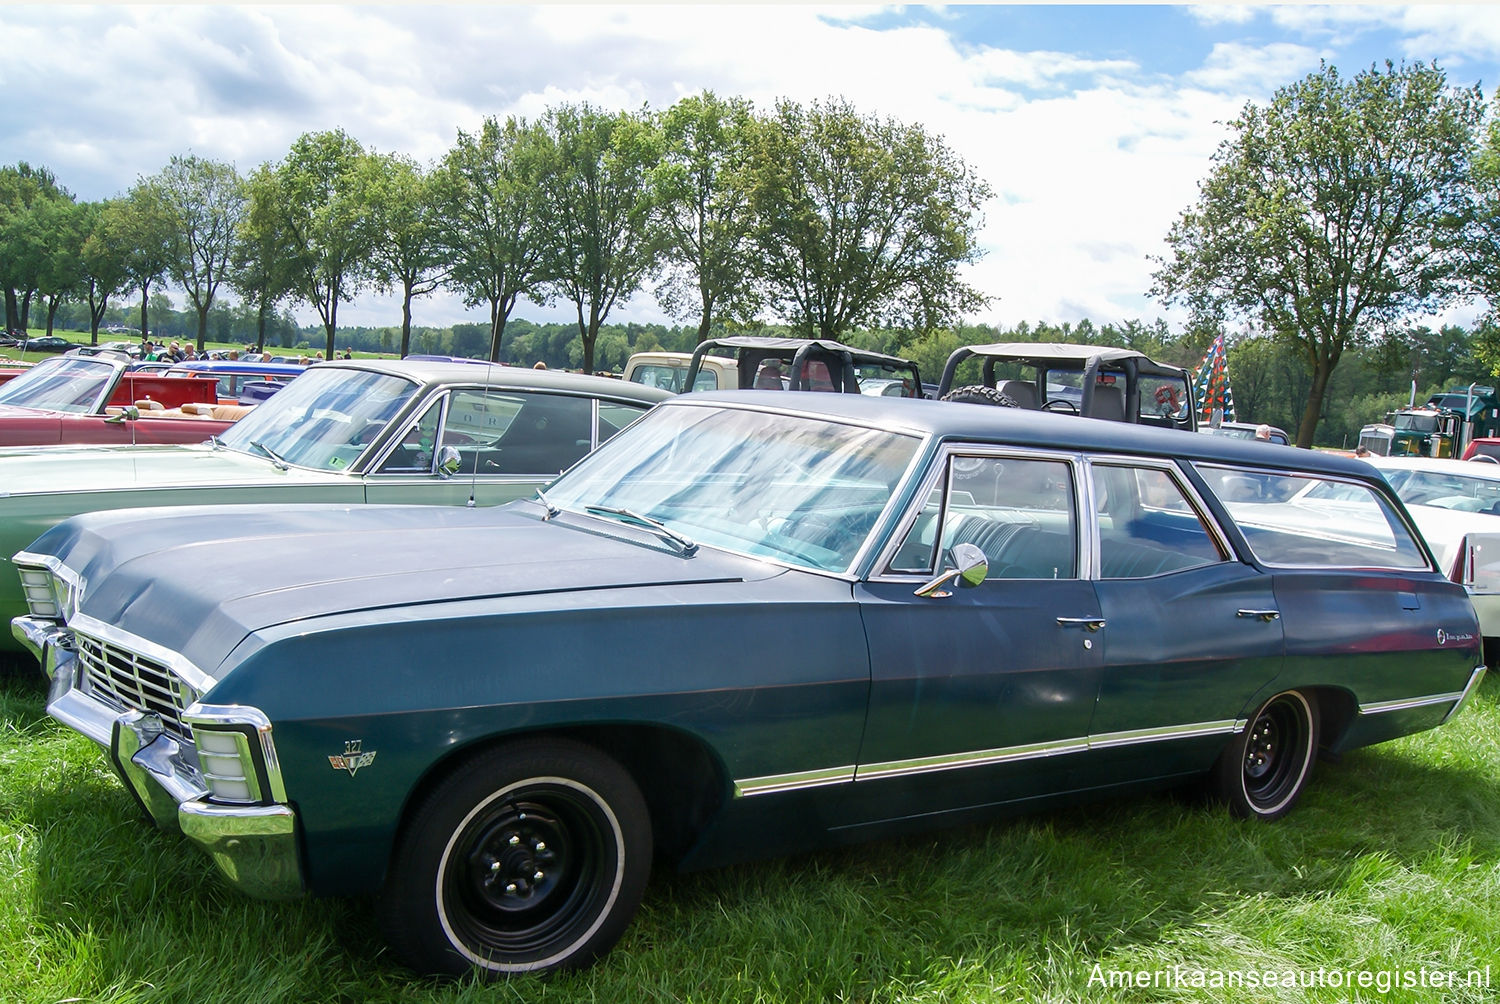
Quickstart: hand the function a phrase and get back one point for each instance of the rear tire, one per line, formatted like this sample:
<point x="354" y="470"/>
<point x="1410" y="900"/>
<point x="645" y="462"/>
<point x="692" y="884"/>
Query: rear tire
<point x="531" y="857"/>
<point x="1262" y="772"/>
<point x="980" y="394"/>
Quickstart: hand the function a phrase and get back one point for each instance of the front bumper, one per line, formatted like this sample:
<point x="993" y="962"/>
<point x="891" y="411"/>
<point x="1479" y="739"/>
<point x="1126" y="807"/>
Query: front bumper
<point x="255" y="846"/>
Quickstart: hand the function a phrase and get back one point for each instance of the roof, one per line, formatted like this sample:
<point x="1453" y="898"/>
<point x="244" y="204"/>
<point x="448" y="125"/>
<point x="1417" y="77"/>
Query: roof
<point x="519" y="377"/>
<point x="1023" y="427"/>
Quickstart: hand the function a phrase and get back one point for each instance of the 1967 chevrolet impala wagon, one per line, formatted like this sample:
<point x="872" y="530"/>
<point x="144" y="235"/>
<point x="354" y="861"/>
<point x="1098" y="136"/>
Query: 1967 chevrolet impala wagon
<point x="497" y="718"/>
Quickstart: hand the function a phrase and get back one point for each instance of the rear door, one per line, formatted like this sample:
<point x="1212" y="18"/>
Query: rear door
<point x="1191" y="633"/>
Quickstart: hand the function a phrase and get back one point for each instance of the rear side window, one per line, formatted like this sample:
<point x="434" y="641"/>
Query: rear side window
<point x="1147" y="526"/>
<point x="1312" y="522"/>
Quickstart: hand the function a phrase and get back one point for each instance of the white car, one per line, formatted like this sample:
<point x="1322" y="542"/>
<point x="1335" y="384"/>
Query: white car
<point x="1456" y="505"/>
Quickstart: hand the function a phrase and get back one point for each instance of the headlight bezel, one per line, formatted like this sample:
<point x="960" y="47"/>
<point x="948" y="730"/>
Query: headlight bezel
<point x="52" y="590"/>
<point x="236" y="755"/>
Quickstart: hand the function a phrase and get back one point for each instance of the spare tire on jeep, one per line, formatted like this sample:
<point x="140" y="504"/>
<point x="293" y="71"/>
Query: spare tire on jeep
<point x="980" y="394"/>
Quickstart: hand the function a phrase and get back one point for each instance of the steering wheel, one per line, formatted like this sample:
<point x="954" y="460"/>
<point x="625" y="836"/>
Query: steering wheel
<point x="1061" y="404"/>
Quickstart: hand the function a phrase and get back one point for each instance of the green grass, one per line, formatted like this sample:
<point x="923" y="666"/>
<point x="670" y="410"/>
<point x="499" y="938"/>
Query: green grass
<point x="1391" y="862"/>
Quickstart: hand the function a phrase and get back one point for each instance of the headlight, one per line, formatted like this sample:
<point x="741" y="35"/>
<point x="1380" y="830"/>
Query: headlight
<point x="235" y="754"/>
<point x="41" y="600"/>
<point x="51" y="589"/>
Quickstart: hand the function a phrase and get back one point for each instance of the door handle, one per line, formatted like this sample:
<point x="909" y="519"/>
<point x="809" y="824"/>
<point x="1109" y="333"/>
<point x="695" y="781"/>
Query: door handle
<point x="1089" y="624"/>
<point x="1265" y="615"/>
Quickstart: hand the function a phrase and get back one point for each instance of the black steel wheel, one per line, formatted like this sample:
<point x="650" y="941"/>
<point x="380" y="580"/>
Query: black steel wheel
<point x="1263" y="771"/>
<point x="530" y="858"/>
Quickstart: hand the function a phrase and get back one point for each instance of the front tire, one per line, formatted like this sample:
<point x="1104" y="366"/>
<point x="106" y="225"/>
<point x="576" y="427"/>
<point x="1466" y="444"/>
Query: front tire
<point x="531" y="857"/>
<point x="1262" y="772"/>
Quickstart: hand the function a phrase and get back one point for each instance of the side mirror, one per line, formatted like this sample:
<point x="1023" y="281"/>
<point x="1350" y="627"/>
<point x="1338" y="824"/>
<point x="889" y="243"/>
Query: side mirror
<point x="448" y="462"/>
<point x="129" y="413"/>
<point x="970" y="566"/>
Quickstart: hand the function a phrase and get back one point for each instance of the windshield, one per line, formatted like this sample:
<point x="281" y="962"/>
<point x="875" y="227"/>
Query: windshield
<point x="74" y="384"/>
<point x="800" y="490"/>
<point x="324" y="419"/>
<point x="1416" y="423"/>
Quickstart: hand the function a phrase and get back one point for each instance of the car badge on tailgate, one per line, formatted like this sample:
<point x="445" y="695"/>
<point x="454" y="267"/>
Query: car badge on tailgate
<point x="353" y="759"/>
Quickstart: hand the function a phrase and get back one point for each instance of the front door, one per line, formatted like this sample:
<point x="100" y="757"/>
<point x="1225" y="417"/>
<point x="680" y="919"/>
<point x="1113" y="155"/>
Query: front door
<point x="984" y="694"/>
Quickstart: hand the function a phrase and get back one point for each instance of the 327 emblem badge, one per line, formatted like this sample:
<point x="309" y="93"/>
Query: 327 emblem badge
<point x="353" y="759"/>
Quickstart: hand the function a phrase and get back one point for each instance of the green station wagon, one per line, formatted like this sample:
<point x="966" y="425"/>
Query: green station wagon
<point x="353" y="432"/>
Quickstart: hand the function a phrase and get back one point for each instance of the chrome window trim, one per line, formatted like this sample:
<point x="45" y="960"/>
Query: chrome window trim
<point x="1190" y="494"/>
<point x="173" y="661"/>
<point x="941" y="465"/>
<point x="981" y="758"/>
<point x="371" y="469"/>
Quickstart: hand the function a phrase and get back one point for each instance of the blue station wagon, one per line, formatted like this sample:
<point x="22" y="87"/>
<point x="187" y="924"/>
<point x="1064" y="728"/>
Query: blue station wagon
<point x="497" y="719"/>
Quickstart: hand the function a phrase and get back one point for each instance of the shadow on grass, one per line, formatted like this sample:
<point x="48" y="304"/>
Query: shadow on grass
<point x="858" y="922"/>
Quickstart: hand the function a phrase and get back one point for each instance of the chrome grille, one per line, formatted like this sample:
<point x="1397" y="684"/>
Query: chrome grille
<point x="134" y="683"/>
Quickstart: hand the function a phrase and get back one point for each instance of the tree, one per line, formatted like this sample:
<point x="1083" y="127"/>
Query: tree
<point x="206" y="203"/>
<point x="596" y="212"/>
<point x="24" y="190"/>
<point x="1335" y="209"/>
<point x="1482" y="269"/>
<point x="139" y="232"/>
<point x="260" y="272"/>
<point x="408" y="253"/>
<point x="61" y="228"/>
<point x="104" y="264"/>
<point x="488" y="199"/>
<point x="315" y="206"/>
<point x="862" y="221"/>
<point x="704" y="210"/>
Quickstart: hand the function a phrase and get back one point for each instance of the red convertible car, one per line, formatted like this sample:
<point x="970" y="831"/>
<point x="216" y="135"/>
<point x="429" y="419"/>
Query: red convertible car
<point x="98" y="399"/>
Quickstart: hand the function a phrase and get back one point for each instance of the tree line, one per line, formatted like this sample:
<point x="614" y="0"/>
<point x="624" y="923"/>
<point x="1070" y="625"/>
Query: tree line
<point x="1329" y="220"/>
<point x="817" y="217"/>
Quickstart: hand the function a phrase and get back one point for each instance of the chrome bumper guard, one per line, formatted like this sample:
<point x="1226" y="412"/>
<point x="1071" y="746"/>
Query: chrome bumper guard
<point x="255" y="846"/>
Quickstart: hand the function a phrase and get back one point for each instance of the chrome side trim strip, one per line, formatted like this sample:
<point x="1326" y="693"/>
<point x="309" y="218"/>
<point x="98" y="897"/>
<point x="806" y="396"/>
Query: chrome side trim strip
<point x="1406" y="704"/>
<point x="1475" y="679"/>
<point x="792" y="782"/>
<point x="1108" y="740"/>
<point x="980" y="758"/>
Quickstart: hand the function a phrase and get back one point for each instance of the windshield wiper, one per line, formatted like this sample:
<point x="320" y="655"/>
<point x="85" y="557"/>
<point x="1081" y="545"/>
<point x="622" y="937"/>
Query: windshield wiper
<point x="552" y="510"/>
<point x="275" y="458"/>
<point x="687" y="546"/>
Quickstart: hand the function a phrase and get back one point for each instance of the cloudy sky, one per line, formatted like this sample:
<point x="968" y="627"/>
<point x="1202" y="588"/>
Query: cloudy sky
<point x="1093" y="124"/>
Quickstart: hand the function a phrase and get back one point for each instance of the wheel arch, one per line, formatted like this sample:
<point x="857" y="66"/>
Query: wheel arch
<point x="683" y="782"/>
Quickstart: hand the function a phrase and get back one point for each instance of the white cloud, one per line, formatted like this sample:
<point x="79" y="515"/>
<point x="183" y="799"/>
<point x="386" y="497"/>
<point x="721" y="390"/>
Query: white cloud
<point x="1255" y="69"/>
<point x="1092" y="153"/>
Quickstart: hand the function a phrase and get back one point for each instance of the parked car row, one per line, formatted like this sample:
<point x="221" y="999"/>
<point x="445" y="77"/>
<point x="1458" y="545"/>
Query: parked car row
<point x="495" y="718"/>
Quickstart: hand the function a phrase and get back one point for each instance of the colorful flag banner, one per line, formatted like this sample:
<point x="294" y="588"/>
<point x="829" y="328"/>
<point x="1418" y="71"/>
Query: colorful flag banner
<point x="1211" y="385"/>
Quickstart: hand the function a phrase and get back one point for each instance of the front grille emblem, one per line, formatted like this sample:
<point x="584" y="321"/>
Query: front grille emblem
<point x="353" y="759"/>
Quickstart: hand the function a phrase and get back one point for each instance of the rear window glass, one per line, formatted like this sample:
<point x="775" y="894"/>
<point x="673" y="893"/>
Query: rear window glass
<point x="1304" y="520"/>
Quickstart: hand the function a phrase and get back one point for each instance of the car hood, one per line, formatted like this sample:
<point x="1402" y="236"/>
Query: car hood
<point x="45" y="470"/>
<point x="197" y="581"/>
